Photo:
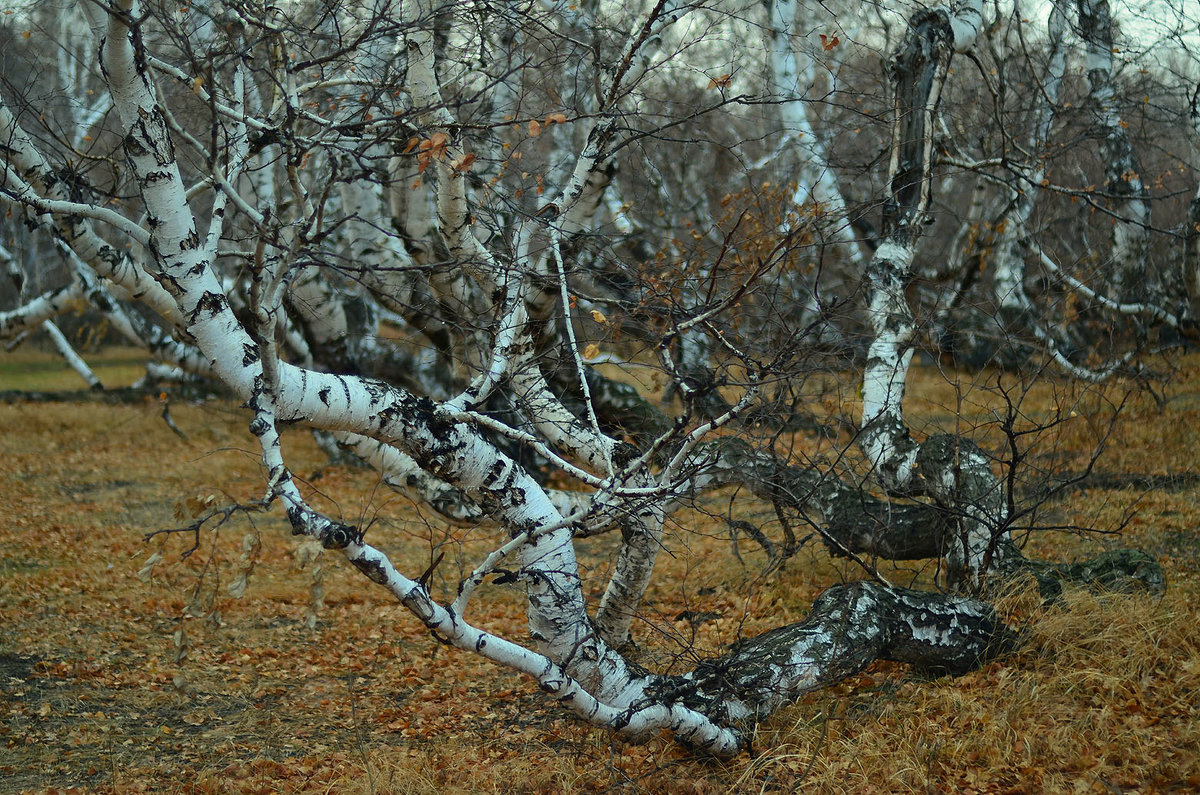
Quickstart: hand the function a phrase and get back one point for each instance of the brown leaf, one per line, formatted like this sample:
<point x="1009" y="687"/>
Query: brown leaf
<point x="462" y="163"/>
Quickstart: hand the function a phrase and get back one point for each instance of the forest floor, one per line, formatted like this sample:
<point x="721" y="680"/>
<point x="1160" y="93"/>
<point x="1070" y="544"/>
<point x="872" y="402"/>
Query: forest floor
<point x="125" y="667"/>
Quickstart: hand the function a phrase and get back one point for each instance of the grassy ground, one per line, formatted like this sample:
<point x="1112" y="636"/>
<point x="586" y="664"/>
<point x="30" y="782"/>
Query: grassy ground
<point x="124" y="668"/>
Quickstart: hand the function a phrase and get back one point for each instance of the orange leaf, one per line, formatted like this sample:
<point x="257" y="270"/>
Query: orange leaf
<point x="829" y="43"/>
<point x="720" y="82"/>
<point x="535" y="128"/>
<point x="437" y="145"/>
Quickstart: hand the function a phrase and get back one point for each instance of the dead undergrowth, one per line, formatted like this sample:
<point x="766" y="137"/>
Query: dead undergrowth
<point x="124" y="668"/>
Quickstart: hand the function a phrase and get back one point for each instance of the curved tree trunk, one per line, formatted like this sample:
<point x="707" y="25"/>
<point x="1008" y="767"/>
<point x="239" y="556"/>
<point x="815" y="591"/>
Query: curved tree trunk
<point x="953" y="472"/>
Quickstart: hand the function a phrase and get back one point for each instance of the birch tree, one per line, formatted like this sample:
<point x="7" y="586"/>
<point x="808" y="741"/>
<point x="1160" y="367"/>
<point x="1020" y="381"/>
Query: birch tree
<point x="324" y="170"/>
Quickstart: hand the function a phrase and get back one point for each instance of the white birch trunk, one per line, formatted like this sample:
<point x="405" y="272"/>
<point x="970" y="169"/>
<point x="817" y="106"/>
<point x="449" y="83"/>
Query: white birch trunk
<point x="24" y="164"/>
<point x="1009" y="274"/>
<point x="1191" y="236"/>
<point x="710" y="708"/>
<point x="1129" y="197"/>
<point x="790" y="78"/>
<point x="952" y="470"/>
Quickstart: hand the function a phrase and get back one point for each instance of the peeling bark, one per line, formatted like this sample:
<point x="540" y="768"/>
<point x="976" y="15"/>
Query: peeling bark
<point x="850" y="627"/>
<point x="952" y="471"/>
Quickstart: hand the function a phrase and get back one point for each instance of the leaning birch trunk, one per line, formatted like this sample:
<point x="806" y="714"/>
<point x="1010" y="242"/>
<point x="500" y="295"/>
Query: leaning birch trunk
<point x="73" y="359"/>
<point x="60" y="341"/>
<point x="789" y="79"/>
<point x="952" y="470"/>
<point x="31" y="180"/>
<point x="1008" y="280"/>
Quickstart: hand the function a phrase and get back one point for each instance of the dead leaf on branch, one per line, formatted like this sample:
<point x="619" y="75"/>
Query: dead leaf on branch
<point x="462" y="163"/>
<point x="432" y="148"/>
<point x="194" y="506"/>
<point x="307" y="552"/>
<point x="181" y="645"/>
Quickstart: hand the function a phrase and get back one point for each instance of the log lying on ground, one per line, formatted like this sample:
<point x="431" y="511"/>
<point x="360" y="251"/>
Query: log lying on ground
<point x="850" y="627"/>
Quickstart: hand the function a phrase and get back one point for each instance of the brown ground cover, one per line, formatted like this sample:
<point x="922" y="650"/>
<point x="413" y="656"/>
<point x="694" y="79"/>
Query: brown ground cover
<point x="124" y="668"/>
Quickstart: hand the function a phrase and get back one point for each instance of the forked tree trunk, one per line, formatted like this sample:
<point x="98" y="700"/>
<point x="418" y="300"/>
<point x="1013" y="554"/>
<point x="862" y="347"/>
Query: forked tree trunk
<point x="953" y="471"/>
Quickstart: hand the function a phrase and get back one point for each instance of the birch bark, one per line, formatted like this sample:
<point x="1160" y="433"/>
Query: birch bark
<point x="448" y="449"/>
<point x="1123" y="180"/>
<point x="952" y="470"/>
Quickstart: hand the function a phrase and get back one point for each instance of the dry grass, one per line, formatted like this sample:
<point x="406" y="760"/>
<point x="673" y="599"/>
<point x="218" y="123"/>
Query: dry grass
<point x="314" y="682"/>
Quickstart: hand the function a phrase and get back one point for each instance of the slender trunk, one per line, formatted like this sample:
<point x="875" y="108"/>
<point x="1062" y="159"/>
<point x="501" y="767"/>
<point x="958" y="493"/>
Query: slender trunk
<point x="790" y="79"/>
<point x="1191" y="236"/>
<point x="1129" y="198"/>
<point x="1009" y="274"/>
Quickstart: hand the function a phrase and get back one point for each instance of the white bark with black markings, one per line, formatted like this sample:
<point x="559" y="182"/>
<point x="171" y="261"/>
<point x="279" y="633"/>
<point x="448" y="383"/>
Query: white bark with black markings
<point x="952" y="471"/>
<point x="1129" y="197"/>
